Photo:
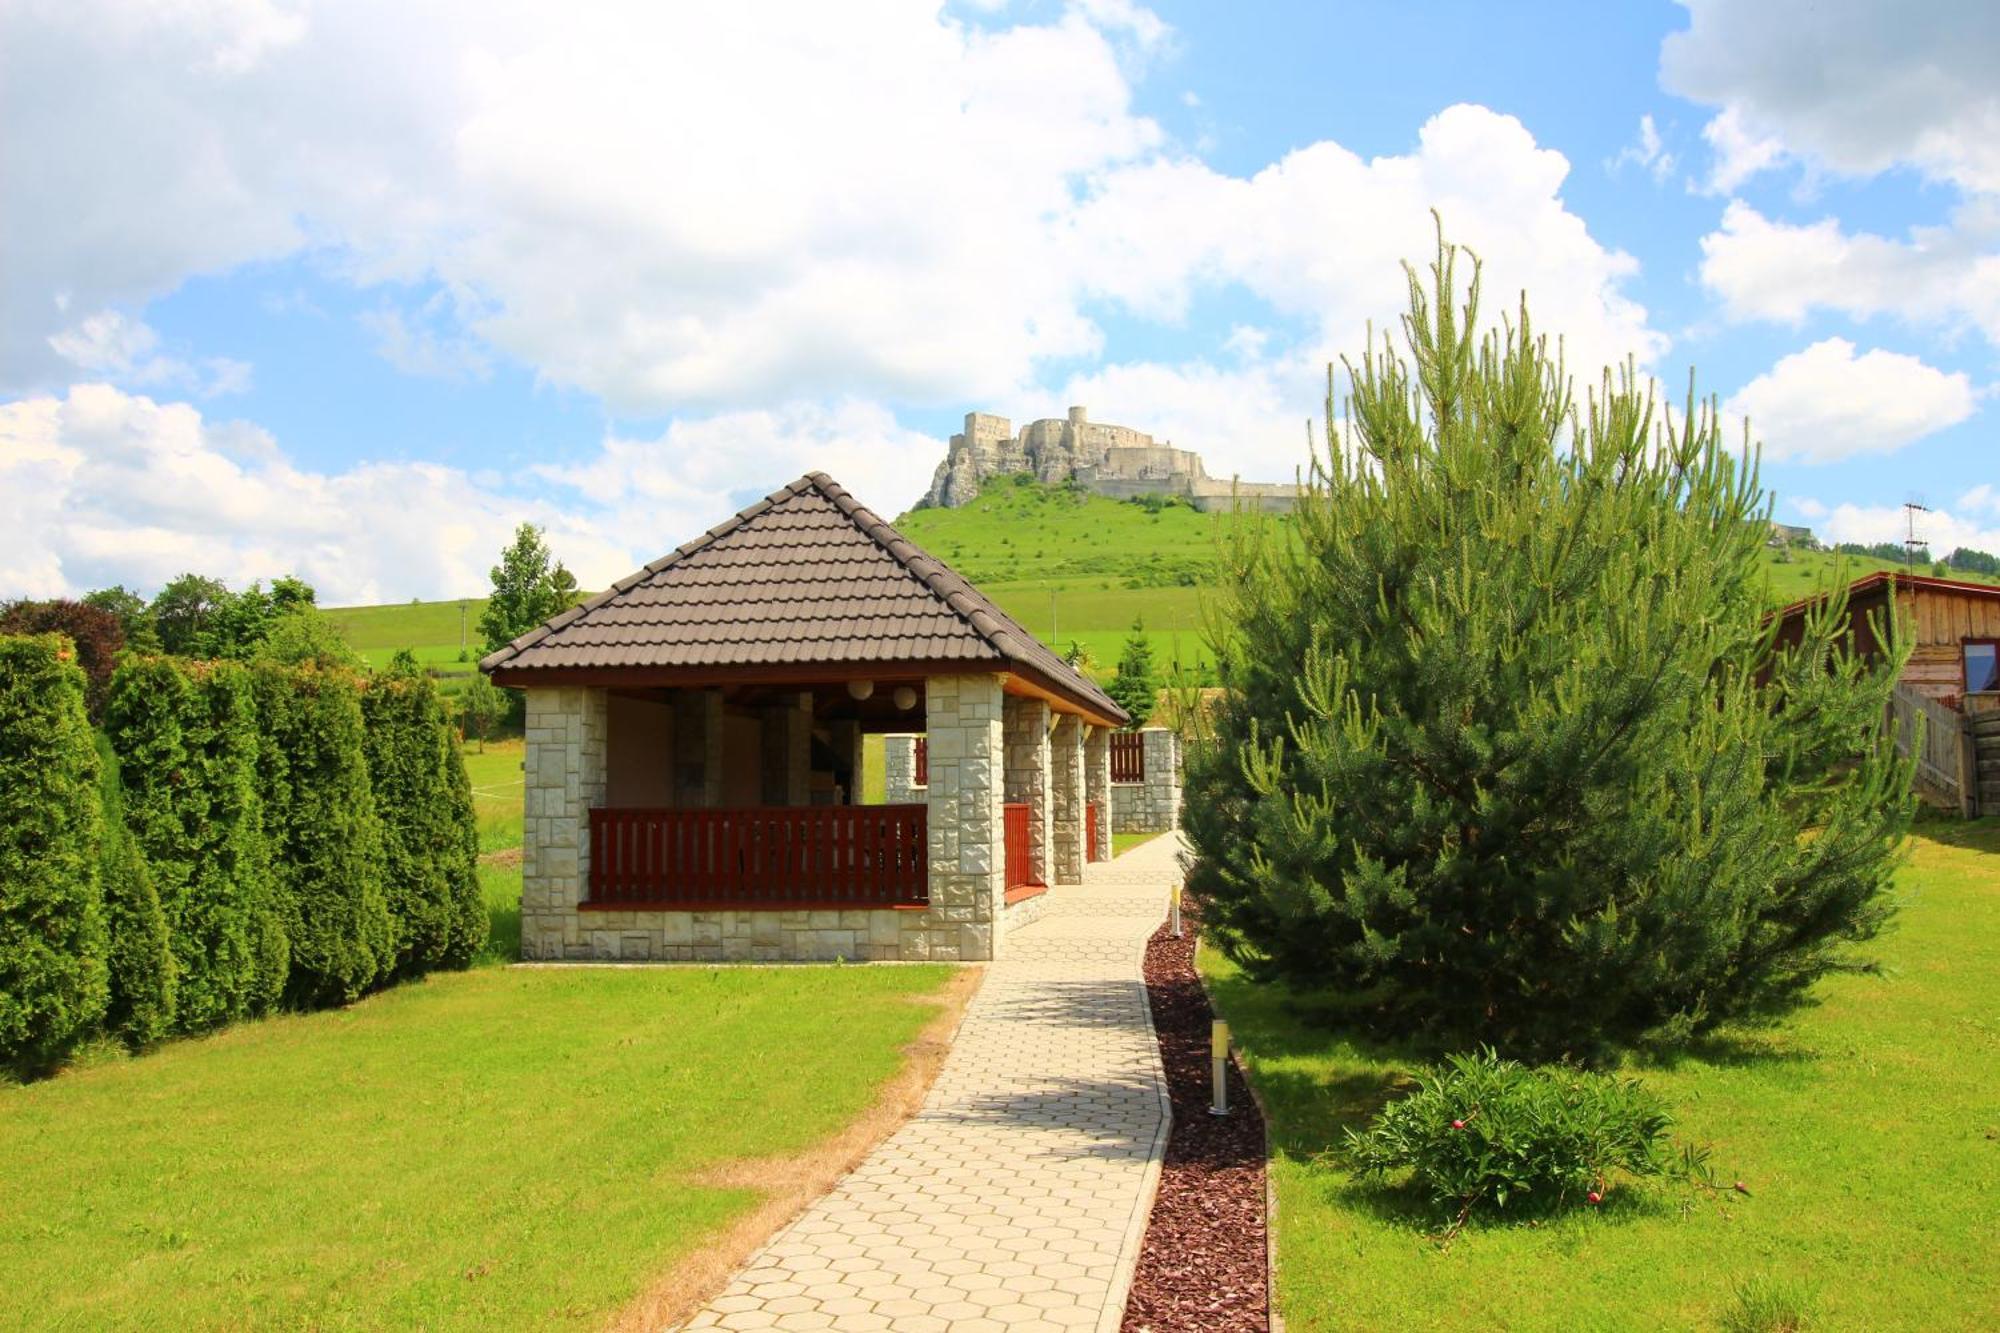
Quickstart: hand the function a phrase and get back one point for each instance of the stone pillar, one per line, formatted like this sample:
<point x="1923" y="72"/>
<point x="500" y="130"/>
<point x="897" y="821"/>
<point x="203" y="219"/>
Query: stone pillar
<point x="1027" y="782"/>
<point x="1097" y="786"/>
<point x="698" y="748"/>
<point x="1163" y="779"/>
<point x="1066" y="851"/>
<point x="844" y="739"/>
<point x="787" y="751"/>
<point x="899" y="771"/>
<point x="968" y="889"/>
<point x="563" y="776"/>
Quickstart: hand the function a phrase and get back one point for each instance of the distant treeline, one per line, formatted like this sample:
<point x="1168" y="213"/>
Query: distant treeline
<point x="1964" y="559"/>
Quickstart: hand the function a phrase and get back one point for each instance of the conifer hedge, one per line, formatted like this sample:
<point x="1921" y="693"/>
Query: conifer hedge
<point x="139" y="950"/>
<point x="429" y="839"/>
<point x="52" y="971"/>
<point x="325" y="839"/>
<point x="185" y="737"/>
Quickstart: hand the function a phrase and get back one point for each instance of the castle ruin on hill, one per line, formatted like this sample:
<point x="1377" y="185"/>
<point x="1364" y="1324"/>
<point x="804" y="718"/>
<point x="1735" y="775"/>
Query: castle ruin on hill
<point x="1113" y="461"/>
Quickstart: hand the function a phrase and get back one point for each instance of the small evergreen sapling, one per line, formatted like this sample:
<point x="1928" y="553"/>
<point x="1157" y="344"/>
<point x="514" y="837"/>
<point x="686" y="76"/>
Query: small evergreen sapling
<point x="1137" y="685"/>
<point x="53" y="984"/>
<point x="1508" y="753"/>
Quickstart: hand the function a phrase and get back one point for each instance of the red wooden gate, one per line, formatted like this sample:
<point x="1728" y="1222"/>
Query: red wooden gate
<point x="1128" y="756"/>
<point x="1019" y="862"/>
<point x="1090" y="831"/>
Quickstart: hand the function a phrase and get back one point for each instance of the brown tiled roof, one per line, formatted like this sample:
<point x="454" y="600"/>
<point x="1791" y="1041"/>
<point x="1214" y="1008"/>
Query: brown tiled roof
<point x="806" y="576"/>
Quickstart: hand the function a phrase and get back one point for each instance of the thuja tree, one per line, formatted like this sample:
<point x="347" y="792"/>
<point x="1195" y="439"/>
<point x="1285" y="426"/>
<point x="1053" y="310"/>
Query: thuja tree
<point x="185" y="736"/>
<point x="1508" y="754"/>
<point x="52" y="972"/>
<point x="224" y="739"/>
<point x="429" y="839"/>
<point x="139" y="951"/>
<point x="325" y="839"/>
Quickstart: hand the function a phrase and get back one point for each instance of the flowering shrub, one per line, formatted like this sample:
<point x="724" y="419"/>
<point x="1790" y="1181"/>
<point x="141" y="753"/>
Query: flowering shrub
<point x="1480" y="1130"/>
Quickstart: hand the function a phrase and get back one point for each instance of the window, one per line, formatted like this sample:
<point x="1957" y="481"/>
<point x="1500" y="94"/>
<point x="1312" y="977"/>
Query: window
<point x="1982" y="665"/>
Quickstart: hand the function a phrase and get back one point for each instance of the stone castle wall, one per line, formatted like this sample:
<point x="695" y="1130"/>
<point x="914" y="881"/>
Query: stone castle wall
<point x="1114" y="461"/>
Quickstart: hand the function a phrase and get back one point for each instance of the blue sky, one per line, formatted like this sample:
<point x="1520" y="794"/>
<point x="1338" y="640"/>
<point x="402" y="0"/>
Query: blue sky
<point x="348" y="290"/>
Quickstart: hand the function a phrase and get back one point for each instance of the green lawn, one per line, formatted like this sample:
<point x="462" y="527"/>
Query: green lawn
<point x="1122" y="843"/>
<point x="1868" y="1129"/>
<point x="502" y="1148"/>
<point x="495" y="770"/>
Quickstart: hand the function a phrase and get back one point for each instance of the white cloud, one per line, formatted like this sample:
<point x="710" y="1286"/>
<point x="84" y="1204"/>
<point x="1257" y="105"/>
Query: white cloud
<point x="101" y="486"/>
<point x="1321" y="236"/>
<point x="1852" y="86"/>
<point x="1980" y="497"/>
<point x="1825" y="404"/>
<point x="1647" y="152"/>
<point x="1939" y="276"/>
<point x="1739" y="153"/>
<point x="698" y="207"/>
<point x="111" y="344"/>
<point x="1943" y="531"/>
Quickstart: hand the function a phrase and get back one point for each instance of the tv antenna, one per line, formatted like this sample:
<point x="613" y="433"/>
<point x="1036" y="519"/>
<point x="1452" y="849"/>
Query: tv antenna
<point x="1911" y="508"/>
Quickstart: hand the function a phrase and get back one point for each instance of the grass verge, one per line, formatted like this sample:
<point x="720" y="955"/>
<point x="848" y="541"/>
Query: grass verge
<point x="507" y="1147"/>
<point x="1867" y="1129"/>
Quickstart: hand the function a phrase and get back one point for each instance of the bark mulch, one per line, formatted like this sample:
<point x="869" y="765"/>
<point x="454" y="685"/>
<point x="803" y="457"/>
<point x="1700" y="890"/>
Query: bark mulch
<point x="1202" y="1267"/>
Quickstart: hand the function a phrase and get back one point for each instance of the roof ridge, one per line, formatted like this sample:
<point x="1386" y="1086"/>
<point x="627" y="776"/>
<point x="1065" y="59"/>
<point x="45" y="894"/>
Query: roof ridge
<point x="991" y="626"/>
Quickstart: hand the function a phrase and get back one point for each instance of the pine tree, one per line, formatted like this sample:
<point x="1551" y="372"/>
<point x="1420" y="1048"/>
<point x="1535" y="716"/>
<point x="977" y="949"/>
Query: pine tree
<point x="1508" y="755"/>
<point x="53" y="983"/>
<point x="324" y="837"/>
<point x="1136" y="687"/>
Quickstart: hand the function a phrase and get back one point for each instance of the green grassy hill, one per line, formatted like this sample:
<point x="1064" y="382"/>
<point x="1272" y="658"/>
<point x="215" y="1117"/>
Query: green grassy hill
<point x="1071" y="567"/>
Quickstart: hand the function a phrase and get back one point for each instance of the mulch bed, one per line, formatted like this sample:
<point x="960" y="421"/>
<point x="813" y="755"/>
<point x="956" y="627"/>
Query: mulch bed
<point x="1202" y="1268"/>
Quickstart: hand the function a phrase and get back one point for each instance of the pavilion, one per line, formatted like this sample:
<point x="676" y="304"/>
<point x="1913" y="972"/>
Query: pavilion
<point x="693" y="771"/>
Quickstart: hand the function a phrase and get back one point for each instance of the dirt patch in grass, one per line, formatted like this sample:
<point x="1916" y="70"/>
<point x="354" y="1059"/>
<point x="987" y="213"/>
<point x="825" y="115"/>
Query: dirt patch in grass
<point x="507" y="858"/>
<point x="792" y="1182"/>
<point x="1203" y="1266"/>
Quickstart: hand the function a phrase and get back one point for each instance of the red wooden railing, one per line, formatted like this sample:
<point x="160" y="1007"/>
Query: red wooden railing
<point x="1020" y="861"/>
<point x="1090" y="831"/>
<point x="923" y="774"/>
<point x="775" y="857"/>
<point x="1128" y="756"/>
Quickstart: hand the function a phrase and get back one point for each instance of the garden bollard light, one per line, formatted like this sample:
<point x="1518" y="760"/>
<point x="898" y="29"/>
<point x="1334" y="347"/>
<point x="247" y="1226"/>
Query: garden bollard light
<point x="1218" y="1050"/>
<point x="1177" y="911"/>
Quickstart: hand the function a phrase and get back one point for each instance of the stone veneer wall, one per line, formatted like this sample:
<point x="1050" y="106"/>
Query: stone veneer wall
<point x="1027" y="776"/>
<point x="1097" y="785"/>
<point x="967" y="777"/>
<point x="1066" y="801"/>
<point x="565" y="776"/>
<point x="1153" y="804"/>
<point x="562" y="778"/>
<point x="899" y="768"/>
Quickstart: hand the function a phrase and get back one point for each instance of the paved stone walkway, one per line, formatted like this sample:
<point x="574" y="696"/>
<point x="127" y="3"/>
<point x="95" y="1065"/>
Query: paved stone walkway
<point x="1015" y="1200"/>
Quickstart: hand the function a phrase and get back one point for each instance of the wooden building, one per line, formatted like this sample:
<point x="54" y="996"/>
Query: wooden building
<point x="1952" y="680"/>
<point x="693" y="770"/>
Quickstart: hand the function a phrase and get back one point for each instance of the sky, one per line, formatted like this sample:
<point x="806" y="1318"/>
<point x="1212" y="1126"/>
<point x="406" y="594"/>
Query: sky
<point x="349" y="290"/>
